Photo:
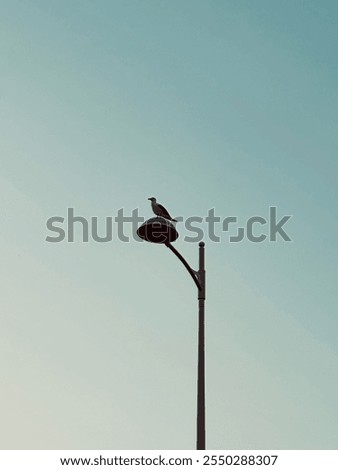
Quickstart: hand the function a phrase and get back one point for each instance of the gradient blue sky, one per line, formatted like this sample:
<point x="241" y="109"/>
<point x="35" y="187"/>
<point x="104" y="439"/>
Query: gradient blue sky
<point x="227" y="104"/>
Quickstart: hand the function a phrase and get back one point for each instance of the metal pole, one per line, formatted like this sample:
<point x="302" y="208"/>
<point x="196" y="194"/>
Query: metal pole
<point x="199" y="279"/>
<point x="200" y="442"/>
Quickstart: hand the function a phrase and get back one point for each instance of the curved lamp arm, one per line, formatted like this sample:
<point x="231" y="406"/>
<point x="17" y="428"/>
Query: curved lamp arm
<point x="193" y="274"/>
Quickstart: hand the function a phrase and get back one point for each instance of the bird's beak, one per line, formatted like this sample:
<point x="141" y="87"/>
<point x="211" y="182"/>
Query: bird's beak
<point x="149" y="198"/>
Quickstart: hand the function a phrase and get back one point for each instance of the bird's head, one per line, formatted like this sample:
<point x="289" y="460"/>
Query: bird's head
<point x="152" y="199"/>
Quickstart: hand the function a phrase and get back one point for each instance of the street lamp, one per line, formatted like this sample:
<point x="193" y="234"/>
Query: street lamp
<point x="160" y="230"/>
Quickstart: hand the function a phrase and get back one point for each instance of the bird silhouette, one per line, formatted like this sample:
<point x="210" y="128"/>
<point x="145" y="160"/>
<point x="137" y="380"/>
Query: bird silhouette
<point x="159" y="210"/>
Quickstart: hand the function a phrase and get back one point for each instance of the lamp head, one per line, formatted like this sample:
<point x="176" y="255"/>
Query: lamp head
<point x="157" y="230"/>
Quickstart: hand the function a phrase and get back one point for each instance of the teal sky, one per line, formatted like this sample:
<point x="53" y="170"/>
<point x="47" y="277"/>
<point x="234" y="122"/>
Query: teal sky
<point x="225" y="104"/>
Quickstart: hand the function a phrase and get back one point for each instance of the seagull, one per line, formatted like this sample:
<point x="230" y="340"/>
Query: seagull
<point x="159" y="210"/>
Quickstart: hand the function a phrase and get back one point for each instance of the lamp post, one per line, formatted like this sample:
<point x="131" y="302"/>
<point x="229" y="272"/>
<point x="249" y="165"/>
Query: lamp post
<point x="160" y="230"/>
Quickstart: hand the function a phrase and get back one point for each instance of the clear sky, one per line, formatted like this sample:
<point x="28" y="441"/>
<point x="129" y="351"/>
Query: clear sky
<point x="225" y="104"/>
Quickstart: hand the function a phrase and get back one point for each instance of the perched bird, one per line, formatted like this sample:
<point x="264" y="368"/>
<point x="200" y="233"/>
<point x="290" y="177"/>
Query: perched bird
<point x="159" y="210"/>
